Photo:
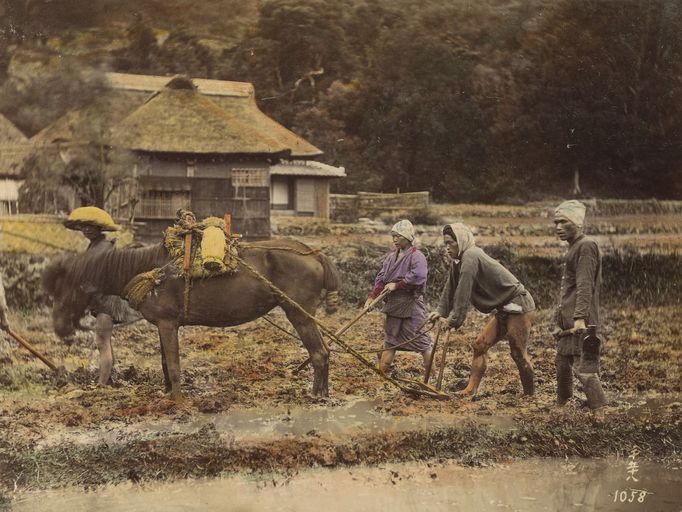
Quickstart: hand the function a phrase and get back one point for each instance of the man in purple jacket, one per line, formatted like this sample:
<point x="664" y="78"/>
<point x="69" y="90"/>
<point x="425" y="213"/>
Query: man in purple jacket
<point x="579" y="307"/>
<point x="404" y="273"/>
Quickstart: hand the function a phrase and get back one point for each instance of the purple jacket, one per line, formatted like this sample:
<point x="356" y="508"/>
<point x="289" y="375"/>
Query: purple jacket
<point x="409" y="272"/>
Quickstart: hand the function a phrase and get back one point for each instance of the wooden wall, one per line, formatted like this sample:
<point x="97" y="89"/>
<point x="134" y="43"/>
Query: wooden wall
<point x="209" y="186"/>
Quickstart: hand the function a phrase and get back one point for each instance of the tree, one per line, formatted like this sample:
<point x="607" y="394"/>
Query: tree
<point x="82" y="161"/>
<point x="183" y="53"/>
<point x="52" y="92"/>
<point x="420" y="121"/>
<point x="295" y="51"/>
<point x="602" y="102"/>
<point x="328" y="125"/>
<point x="140" y="55"/>
<point x="92" y="171"/>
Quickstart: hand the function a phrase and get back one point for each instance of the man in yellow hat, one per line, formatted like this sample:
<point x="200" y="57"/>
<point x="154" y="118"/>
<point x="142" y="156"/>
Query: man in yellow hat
<point x="107" y="309"/>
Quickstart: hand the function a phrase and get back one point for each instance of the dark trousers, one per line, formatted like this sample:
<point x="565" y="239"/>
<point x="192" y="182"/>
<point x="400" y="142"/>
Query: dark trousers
<point x="568" y="366"/>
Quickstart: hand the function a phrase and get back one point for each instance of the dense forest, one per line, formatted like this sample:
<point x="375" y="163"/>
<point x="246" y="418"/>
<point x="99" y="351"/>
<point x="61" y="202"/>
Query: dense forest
<point x="491" y="101"/>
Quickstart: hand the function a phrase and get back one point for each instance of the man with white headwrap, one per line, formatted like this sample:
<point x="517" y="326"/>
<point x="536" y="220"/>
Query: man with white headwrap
<point x="403" y="272"/>
<point x="476" y="278"/>
<point x="579" y="306"/>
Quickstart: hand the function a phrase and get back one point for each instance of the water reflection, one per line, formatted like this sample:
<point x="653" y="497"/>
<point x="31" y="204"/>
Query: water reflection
<point x="532" y="485"/>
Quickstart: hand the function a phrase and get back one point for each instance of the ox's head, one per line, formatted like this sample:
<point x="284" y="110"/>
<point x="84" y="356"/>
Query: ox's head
<point x="69" y="303"/>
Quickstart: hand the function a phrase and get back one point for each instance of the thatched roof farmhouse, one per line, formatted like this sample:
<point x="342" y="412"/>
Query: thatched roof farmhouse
<point x="201" y="144"/>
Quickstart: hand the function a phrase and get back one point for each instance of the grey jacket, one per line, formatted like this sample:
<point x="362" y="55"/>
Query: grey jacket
<point x="480" y="280"/>
<point x="580" y="284"/>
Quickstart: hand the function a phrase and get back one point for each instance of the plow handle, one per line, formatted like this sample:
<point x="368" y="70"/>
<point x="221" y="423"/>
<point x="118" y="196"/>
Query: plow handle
<point x="32" y="349"/>
<point x="446" y="346"/>
<point x="427" y="373"/>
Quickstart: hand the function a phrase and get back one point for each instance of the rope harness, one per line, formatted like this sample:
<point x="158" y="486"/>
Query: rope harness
<point x="141" y="285"/>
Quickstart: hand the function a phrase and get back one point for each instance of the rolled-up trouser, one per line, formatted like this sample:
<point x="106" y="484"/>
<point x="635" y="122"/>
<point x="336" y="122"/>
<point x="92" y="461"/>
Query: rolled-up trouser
<point x="566" y="367"/>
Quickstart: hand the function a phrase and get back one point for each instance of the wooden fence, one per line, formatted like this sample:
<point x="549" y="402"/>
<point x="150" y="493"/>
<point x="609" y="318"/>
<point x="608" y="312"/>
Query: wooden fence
<point x="348" y="208"/>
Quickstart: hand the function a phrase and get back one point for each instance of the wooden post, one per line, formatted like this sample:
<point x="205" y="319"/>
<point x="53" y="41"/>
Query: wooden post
<point x="228" y="223"/>
<point x="187" y="259"/>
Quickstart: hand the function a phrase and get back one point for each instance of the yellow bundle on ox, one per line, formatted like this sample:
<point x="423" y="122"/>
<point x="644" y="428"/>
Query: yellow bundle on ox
<point x="214" y="246"/>
<point x="211" y="251"/>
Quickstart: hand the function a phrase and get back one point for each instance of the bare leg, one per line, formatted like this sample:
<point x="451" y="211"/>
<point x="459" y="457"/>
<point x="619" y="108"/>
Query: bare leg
<point x="518" y="331"/>
<point x="426" y="355"/>
<point x="486" y="339"/>
<point x="387" y="357"/>
<point x="103" y="327"/>
<point x="168" y="332"/>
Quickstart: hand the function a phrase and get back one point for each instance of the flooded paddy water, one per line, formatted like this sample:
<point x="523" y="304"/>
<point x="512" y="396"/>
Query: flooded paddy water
<point x="533" y="485"/>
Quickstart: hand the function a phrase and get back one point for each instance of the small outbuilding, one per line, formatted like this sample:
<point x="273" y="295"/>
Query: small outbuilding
<point x="14" y="150"/>
<point x="301" y="187"/>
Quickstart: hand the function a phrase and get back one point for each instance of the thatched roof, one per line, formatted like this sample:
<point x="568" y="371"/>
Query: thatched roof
<point x="236" y="98"/>
<point x="9" y="133"/>
<point x="130" y="92"/>
<point x="14" y="148"/>
<point x="181" y="120"/>
<point x="94" y="119"/>
<point x="152" y="83"/>
<point x="306" y="168"/>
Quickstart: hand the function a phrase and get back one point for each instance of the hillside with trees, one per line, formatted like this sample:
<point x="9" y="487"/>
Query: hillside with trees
<point x="490" y="101"/>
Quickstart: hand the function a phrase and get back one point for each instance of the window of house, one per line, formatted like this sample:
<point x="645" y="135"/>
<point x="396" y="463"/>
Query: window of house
<point x="162" y="204"/>
<point x="250" y="178"/>
<point x="281" y="193"/>
<point x="305" y="196"/>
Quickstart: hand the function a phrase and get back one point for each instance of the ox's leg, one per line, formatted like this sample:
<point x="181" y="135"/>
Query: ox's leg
<point x="164" y="366"/>
<point x="168" y="333"/>
<point x="313" y="342"/>
<point x="104" y="324"/>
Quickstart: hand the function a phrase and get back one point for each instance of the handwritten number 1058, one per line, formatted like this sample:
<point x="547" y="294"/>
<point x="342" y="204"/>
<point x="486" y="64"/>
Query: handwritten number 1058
<point x="629" y="496"/>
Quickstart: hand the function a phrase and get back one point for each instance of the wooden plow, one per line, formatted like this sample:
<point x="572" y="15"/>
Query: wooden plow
<point x="409" y="386"/>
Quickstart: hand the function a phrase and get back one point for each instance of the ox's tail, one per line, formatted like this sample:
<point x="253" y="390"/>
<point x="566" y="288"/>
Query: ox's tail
<point x="331" y="285"/>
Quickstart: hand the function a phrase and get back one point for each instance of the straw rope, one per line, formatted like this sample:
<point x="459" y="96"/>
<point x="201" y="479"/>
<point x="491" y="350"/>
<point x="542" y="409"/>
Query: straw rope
<point x="404" y="385"/>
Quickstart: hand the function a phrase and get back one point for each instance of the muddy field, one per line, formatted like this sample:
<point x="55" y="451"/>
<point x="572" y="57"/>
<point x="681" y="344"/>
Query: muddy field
<point x="246" y="412"/>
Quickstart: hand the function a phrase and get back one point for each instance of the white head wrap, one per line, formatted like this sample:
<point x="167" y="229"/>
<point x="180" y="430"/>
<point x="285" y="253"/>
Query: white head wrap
<point x="572" y="210"/>
<point x="463" y="235"/>
<point x="405" y="229"/>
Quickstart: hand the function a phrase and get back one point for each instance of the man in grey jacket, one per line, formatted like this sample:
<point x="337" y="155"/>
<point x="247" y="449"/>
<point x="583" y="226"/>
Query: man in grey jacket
<point x="476" y="278"/>
<point x="579" y="306"/>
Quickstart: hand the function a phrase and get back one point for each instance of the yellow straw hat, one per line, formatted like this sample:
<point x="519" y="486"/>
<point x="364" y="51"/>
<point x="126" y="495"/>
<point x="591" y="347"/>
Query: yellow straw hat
<point x="90" y="215"/>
